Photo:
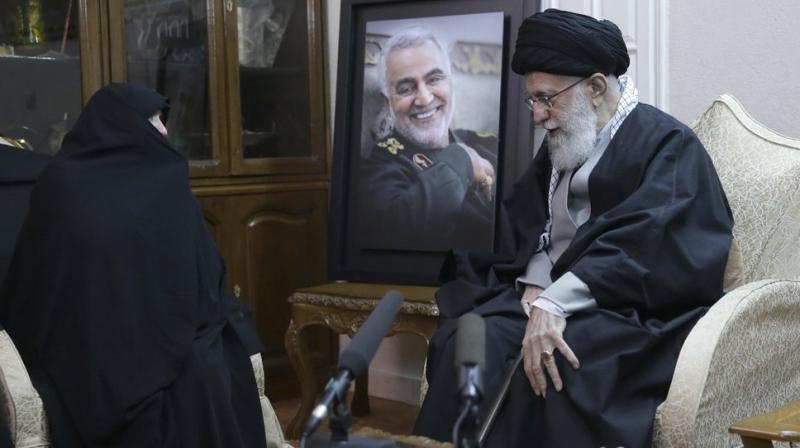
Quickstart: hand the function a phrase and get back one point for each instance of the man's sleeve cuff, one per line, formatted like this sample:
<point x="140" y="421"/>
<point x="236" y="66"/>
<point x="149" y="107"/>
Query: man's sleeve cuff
<point x="570" y="293"/>
<point x="551" y="307"/>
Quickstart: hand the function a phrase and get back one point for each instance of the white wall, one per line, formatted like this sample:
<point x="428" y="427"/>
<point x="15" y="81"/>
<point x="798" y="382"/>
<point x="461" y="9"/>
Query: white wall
<point x="744" y="47"/>
<point x="643" y="26"/>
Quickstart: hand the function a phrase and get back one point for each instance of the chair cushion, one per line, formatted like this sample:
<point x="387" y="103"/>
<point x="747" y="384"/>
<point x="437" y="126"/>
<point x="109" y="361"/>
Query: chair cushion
<point x="739" y="360"/>
<point x="734" y="269"/>
<point x="20" y="404"/>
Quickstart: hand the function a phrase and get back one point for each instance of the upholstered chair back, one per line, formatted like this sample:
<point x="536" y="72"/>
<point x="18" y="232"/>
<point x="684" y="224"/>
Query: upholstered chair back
<point x="741" y="358"/>
<point x="760" y="171"/>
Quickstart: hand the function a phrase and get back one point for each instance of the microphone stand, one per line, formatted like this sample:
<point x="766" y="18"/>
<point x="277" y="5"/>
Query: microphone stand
<point x="340" y="423"/>
<point x="352" y="362"/>
<point x="499" y="399"/>
<point x="465" y="430"/>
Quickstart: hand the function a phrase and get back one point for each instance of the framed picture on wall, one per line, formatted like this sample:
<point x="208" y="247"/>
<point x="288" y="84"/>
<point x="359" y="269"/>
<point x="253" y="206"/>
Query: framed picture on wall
<point x="430" y="134"/>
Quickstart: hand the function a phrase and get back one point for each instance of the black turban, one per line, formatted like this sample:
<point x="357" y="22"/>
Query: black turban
<point x="566" y="43"/>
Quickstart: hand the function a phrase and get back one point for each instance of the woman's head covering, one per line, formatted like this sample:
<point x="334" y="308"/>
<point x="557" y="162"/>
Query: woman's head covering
<point x="567" y="43"/>
<point x="117" y="115"/>
<point x="141" y="99"/>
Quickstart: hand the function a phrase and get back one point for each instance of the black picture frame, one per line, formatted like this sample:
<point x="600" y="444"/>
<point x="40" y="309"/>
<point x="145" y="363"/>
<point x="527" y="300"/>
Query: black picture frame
<point x="347" y="260"/>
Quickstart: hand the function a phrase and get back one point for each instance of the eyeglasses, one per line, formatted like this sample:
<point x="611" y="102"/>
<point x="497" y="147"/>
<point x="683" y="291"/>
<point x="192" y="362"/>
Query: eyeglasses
<point x="547" y="100"/>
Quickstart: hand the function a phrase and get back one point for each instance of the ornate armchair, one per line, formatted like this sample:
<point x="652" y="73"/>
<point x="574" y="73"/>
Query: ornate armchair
<point x="22" y="412"/>
<point x="741" y="358"/>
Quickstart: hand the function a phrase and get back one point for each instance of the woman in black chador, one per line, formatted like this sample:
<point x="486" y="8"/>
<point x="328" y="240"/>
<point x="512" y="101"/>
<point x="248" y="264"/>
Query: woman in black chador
<point x="117" y="296"/>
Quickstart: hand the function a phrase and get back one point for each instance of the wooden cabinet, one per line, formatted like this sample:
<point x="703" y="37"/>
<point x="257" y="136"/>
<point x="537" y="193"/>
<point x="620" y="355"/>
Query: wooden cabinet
<point x="246" y="81"/>
<point x="273" y="236"/>
<point x="246" y="84"/>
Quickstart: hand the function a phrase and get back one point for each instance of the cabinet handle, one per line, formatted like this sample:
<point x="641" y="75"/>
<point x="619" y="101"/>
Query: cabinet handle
<point x="237" y="291"/>
<point x="229" y="5"/>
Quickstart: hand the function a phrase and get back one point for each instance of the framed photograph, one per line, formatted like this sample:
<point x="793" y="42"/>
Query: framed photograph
<point x="430" y="134"/>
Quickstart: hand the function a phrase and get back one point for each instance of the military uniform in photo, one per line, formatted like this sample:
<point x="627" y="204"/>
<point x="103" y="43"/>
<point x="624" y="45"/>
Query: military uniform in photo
<point x="425" y="199"/>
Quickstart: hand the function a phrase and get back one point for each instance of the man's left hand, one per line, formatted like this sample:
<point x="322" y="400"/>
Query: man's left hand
<point x="543" y="336"/>
<point x="482" y="171"/>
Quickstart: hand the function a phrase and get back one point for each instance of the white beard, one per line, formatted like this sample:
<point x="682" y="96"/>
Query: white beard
<point x="422" y="137"/>
<point x="574" y="140"/>
<point x="428" y="138"/>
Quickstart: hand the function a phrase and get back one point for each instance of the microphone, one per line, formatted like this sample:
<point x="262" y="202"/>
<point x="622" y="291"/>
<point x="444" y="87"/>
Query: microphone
<point x="470" y="355"/>
<point x="354" y="361"/>
<point x="470" y="360"/>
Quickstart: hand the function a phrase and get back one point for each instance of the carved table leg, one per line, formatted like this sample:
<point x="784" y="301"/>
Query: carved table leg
<point x="360" y="405"/>
<point x="299" y="355"/>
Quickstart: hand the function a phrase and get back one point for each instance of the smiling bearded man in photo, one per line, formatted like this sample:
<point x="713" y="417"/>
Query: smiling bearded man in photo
<point x="425" y="186"/>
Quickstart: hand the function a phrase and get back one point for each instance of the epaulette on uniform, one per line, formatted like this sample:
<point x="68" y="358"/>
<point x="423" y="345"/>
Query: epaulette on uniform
<point x="468" y="135"/>
<point x="391" y="144"/>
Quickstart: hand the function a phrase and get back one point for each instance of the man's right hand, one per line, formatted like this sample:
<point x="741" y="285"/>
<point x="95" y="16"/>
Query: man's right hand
<point x="482" y="171"/>
<point x="543" y="337"/>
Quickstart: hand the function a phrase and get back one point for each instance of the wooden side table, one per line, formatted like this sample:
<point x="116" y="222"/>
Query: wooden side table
<point x="343" y="307"/>
<point x="782" y="424"/>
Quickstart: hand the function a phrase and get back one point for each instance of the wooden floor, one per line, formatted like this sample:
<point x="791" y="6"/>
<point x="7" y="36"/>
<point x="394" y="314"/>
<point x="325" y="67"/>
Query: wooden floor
<point x="387" y="415"/>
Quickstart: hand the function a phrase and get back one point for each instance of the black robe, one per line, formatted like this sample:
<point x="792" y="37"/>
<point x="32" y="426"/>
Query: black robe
<point x="117" y="296"/>
<point x="18" y="172"/>
<point x="652" y="253"/>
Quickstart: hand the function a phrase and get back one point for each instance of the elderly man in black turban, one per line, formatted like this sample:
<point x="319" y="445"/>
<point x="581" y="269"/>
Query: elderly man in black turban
<point x="621" y="234"/>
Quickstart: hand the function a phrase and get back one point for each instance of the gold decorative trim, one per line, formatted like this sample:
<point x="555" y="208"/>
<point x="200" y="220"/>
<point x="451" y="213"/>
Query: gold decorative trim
<point x="348" y="324"/>
<point x="361" y="304"/>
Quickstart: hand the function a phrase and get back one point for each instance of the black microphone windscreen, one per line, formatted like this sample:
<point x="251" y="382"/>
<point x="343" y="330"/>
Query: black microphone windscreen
<point x="471" y="340"/>
<point x="359" y="353"/>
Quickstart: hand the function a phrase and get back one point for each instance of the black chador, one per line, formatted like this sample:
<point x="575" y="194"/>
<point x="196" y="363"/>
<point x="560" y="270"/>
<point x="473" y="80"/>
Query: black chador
<point x="653" y="253"/>
<point x="117" y="296"/>
<point x="19" y="169"/>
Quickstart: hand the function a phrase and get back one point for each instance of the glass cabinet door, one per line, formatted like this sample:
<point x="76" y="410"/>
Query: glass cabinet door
<point x="169" y="46"/>
<point x="275" y="64"/>
<point x="40" y="72"/>
<point x="245" y="79"/>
